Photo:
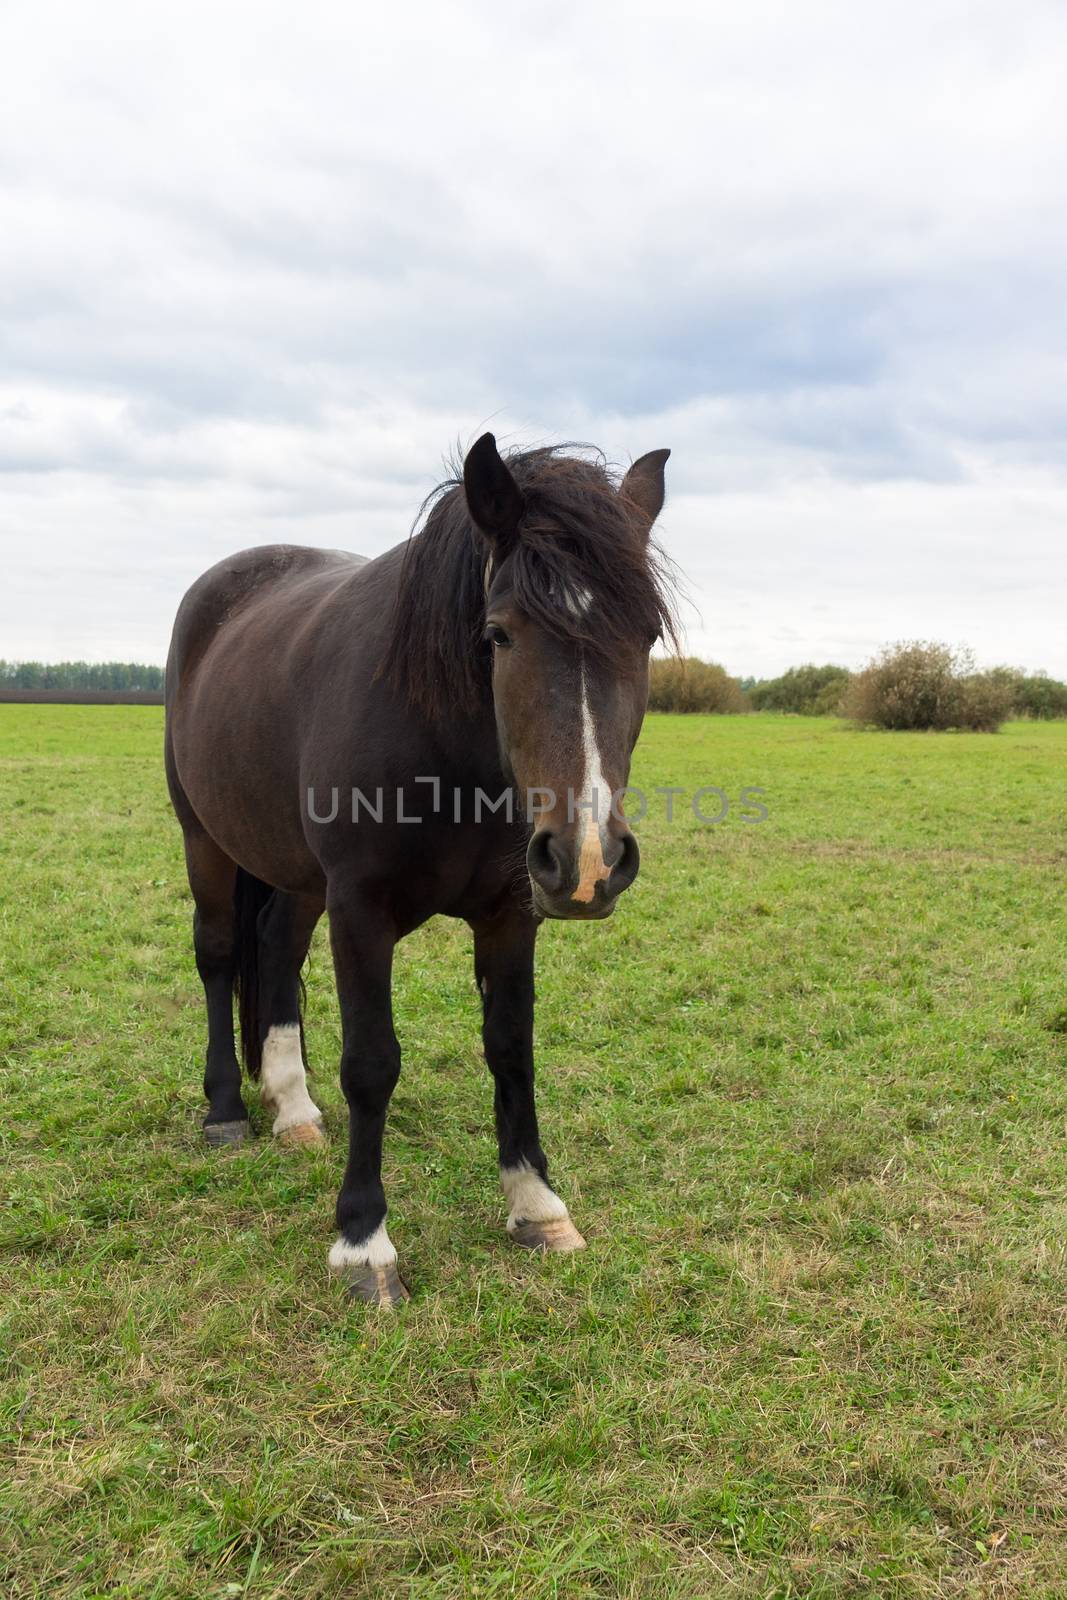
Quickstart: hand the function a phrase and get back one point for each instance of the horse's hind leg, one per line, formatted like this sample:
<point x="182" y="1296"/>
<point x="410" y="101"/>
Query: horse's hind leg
<point x="211" y="878"/>
<point x="286" y="924"/>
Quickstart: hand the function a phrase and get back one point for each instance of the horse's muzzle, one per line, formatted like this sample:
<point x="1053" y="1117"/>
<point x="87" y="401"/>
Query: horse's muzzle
<point x="572" y="882"/>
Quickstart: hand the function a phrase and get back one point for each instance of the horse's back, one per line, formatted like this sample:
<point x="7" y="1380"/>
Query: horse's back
<point x="256" y="581"/>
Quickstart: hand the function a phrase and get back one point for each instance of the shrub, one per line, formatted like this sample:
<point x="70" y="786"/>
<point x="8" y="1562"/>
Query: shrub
<point x="830" y="700"/>
<point x="693" y="685"/>
<point x="1033" y="694"/>
<point x="809" y="691"/>
<point x="1040" y="696"/>
<point x="921" y="684"/>
<point x="985" y="702"/>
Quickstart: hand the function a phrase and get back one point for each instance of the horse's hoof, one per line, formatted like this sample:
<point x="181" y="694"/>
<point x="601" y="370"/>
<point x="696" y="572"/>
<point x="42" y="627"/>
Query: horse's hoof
<point x="558" y="1235"/>
<point x="378" y="1286"/>
<point x="218" y="1134"/>
<point x="303" y="1133"/>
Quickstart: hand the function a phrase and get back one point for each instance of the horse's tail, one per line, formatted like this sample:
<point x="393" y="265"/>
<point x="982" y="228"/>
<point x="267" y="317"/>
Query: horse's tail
<point x="250" y="895"/>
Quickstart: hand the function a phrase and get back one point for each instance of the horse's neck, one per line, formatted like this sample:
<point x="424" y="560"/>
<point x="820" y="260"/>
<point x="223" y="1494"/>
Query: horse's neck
<point x="470" y="748"/>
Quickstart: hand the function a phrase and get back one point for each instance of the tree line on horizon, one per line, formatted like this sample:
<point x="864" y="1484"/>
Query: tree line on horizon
<point x="129" y="676"/>
<point x="916" y="684"/>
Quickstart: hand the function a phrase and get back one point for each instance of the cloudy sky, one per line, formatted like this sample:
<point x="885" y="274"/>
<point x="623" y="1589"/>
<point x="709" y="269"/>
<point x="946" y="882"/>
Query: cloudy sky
<point x="262" y="265"/>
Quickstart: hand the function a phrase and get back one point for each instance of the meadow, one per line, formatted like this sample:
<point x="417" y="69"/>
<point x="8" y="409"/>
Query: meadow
<point x="805" y="1095"/>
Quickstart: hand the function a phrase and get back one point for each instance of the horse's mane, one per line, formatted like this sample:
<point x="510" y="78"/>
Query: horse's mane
<point x="578" y="535"/>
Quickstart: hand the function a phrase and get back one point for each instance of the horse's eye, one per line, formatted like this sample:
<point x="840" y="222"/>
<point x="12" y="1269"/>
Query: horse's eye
<point x="497" y="636"/>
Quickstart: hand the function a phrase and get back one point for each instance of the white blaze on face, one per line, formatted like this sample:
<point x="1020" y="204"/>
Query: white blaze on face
<point x="593" y="809"/>
<point x="530" y="1198"/>
<point x="283" y="1083"/>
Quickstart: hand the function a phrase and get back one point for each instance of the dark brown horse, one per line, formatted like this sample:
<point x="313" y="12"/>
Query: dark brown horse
<point x="448" y="729"/>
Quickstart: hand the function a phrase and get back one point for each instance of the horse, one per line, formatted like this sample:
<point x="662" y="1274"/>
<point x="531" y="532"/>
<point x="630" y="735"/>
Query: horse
<point x="501" y="650"/>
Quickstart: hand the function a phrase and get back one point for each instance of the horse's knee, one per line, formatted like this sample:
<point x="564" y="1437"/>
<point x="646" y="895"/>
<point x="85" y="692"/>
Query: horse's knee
<point x="507" y="1047"/>
<point x="368" y="1077"/>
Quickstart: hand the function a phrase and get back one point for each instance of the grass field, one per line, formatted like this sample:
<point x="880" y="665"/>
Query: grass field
<point x="805" y="1095"/>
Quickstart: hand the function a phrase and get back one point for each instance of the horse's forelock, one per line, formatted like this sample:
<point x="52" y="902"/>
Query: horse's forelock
<point x="577" y="538"/>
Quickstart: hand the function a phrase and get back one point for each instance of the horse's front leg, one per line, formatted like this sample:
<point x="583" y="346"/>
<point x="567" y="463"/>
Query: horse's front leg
<point x="363" y="1256"/>
<point x="504" y="967"/>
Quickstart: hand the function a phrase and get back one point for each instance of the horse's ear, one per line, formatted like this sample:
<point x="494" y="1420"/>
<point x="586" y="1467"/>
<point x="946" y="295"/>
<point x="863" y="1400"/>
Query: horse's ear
<point x="494" y="499"/>
<point x="643" y="488"/>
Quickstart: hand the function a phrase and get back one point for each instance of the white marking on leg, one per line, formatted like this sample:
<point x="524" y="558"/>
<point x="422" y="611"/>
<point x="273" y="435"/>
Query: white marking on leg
<point x="375" y="1251"/>
<point x="595" y="808"/>
<point x="283" y="1083"/>
<point x="529" y="1196"/>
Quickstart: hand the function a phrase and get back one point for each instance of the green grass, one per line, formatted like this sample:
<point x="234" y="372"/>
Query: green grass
<point x="805" y="1095"/>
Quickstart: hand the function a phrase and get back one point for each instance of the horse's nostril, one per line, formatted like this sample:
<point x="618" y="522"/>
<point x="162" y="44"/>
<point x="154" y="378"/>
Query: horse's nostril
<point x="613" y="850"/>
<point x="546" y="861"/>
<point x="627" y="862"/>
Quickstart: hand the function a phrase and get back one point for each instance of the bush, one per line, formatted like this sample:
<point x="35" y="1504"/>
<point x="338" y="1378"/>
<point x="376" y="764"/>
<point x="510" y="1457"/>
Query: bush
<point x="926" y="685"/>
<point x="985" y="702"/>
<point x="830" y="700"/>
<point x="693" y="685"/>
<point x="1034" y="694"/>
<point x="809" y="691"/>
<point x="1040" y="696"/>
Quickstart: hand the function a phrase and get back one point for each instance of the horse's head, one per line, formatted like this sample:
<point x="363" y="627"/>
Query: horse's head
<point x="573" y="606"/>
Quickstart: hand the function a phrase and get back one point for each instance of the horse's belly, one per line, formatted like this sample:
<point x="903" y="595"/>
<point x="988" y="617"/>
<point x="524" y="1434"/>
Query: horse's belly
<point x="242" y="780"/>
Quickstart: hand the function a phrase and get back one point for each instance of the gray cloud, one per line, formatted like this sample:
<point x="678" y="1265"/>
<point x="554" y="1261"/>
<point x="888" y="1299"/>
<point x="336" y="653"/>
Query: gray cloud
<point x="263" y="269"/>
